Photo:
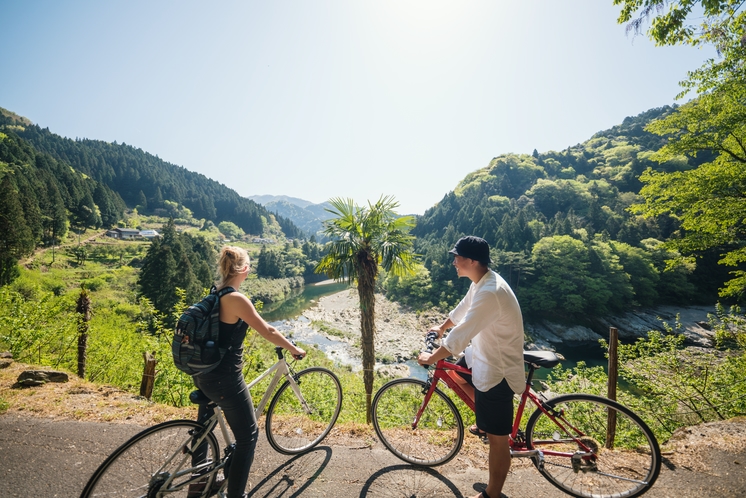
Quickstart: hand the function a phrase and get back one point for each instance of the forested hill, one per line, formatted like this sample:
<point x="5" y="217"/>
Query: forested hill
<point x="561" y="229"/>
<point x="142" y="179"/>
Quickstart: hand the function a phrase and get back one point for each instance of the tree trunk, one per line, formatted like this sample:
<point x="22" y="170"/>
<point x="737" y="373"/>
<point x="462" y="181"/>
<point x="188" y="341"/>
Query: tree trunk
<point x="83" y="308"/>
<point x="366" y="287"/>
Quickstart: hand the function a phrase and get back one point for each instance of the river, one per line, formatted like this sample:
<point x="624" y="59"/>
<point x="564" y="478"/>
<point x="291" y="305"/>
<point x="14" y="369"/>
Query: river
<point x="287" y="316"/>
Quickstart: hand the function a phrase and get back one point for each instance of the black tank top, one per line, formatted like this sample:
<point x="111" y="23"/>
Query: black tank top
<point x="232" y="335"/>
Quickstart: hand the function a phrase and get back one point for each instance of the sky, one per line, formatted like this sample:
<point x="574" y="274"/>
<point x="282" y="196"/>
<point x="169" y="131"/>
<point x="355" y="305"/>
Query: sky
<point x="318" y="99"/>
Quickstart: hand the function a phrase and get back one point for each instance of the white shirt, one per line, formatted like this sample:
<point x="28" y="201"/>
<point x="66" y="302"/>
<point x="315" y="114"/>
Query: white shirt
<point x="489" y="316"/>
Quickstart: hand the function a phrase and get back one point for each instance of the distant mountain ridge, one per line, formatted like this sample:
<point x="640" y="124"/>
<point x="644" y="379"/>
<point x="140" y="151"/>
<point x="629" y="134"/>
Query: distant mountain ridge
<point x="306" y="215"/>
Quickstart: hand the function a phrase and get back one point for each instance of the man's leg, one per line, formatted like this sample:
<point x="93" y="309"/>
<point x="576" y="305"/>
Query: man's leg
<point x="494" y="410"/>
<point x="499" y="465"/>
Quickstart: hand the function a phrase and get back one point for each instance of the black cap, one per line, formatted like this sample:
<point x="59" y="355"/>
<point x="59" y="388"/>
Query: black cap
<point x="474" y="248"/>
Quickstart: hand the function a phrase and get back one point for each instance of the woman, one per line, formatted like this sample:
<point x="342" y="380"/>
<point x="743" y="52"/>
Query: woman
<point x="225" y="385"/>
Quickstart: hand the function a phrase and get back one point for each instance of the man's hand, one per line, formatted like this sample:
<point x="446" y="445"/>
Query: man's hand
<point x="424" y="359"/>
<point x="428" y="359"/>
<point x="435" y="329"/>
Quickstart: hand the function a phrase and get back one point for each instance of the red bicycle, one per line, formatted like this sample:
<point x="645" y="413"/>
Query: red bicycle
<point x="586" y="445"/>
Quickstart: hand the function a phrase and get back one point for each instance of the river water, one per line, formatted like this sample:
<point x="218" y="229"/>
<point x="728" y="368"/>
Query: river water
<point x="287" y="317"/>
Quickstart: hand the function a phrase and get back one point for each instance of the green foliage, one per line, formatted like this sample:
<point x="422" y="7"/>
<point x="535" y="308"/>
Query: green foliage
<point x="520" y="203"/>
<point x="413" y="289"/>
<point x="708" y="200"/>
<point x="118" y="173"/>
<point x="176" y="261"/>
<point x="230" y="230"/>
<point x="678" y="387"/>
<point x="722" y="24"/>
<point x="16" y="238"/>
<point x="271" y="290"/>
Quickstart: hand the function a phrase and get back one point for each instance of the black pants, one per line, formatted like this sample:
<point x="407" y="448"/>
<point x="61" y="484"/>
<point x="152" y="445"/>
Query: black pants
<point x="232" y="395"/>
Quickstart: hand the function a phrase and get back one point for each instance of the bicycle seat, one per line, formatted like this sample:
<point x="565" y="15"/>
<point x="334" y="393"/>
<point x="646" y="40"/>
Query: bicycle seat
<point x="198" y="397"/>
<point x="545" y="359"/>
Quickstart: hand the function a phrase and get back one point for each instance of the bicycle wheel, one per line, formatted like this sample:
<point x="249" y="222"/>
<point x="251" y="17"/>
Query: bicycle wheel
<point x="298" y="421"/>
<point x="439" y="433"/>
<point x="600" y="457"/>
<point x="143" y="465"/>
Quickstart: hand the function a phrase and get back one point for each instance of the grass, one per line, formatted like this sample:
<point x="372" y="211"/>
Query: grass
<point x="325" y="328"/>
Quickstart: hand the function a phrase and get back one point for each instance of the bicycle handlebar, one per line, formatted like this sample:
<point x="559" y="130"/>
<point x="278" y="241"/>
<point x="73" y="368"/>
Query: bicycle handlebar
<point x="430" y="345"/>
<point x="279" y="349"/>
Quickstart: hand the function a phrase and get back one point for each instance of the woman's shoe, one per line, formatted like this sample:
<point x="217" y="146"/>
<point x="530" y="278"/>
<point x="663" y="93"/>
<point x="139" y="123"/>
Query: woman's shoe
<point x="197" y="488"/>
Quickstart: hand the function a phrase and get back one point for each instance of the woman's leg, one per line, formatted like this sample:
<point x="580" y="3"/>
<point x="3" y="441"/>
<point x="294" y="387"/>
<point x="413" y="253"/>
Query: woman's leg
<point x="239" y="413"/>
<point x="233" y="397"/>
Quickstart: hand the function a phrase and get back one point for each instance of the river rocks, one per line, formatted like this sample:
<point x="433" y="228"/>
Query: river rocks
<point x="546" y="335"/>
<point x="684" y="320"/>
<point x="6" y="359"/>
<point x="691" y="321"/>
<point x="399" y="331"/>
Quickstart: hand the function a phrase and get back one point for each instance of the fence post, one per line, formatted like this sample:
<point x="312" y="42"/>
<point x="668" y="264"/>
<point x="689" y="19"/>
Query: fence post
<point x="611" y="388"/>
<point x="148" y="375"/>
<point x="83" y="309"/>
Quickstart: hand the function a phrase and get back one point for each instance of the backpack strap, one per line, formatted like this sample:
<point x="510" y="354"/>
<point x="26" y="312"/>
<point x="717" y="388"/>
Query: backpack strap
<point x="222" y="292"/>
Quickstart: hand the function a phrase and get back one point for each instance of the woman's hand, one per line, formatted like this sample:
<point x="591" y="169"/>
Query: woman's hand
<point x="297" y="353"/>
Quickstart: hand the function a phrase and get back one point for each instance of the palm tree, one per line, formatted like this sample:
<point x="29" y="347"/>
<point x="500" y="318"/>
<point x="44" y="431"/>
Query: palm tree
<point x="362" y="239"/>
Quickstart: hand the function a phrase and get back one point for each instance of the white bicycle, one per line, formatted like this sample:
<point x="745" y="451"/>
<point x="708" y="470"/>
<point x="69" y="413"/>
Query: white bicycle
<point x="157" y="462"/>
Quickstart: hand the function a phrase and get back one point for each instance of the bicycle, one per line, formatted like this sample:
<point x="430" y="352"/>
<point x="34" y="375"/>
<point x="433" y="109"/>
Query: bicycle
<point x="586" y="445"/>
<point x="157" y="462"/>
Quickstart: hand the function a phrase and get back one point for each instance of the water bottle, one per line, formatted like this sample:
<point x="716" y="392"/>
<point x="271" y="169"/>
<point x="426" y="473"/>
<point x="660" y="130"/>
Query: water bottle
<point x="210" y="353"/>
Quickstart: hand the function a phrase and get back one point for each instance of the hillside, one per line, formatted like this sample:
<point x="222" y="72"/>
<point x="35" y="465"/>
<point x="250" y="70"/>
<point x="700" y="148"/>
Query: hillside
<point x="136" y="177"/>
<point x="562" y="230"/>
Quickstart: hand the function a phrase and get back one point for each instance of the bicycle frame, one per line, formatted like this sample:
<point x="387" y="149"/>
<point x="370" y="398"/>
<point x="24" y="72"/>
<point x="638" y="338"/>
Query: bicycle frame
<point x="518" y="447"/>
<point x="281" y="370"/>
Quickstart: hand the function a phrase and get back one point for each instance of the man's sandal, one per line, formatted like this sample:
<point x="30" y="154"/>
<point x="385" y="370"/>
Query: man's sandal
<point x="477" y="432"/>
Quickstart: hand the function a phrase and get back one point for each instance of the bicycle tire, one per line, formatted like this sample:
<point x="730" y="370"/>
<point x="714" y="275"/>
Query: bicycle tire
<point x="627" y="469"/>
<point x="290" y="428"/>
<point x="440" y="431"/>
<point x="141" y="466"/>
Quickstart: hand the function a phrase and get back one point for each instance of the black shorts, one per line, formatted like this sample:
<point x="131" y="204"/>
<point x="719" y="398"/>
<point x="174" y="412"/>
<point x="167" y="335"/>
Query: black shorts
<point x="494" y="409"/>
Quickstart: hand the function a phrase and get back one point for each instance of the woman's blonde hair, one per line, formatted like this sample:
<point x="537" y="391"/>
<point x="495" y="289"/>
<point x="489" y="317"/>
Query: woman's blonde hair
<point x="232" y="260"/>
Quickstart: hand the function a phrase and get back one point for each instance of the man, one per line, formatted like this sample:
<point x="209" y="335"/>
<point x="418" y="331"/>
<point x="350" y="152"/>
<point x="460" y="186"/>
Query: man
<point x="490" y="318"/>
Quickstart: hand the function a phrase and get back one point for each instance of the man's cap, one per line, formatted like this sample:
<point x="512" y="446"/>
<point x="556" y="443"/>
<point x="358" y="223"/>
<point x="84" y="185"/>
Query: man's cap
<point x="471" y="247"/>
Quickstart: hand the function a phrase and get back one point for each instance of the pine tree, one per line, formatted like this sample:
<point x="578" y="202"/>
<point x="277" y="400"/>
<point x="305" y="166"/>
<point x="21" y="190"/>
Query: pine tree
<point x="16" y="239"/>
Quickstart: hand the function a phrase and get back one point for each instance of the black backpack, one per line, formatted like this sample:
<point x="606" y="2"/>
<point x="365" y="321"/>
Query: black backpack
<point x="195" y="345"/>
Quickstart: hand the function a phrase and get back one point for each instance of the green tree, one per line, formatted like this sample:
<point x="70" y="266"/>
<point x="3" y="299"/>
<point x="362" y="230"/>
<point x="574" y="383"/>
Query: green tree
<point x="270" y="263"/>
<point x="722" y="23"/>
<point x="16" y="239"/>
<point x="707" y="201"/>
<point x="362" y="240"/>
<point x="230" y="229"/>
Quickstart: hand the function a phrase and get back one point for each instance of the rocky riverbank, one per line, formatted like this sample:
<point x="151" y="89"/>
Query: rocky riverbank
<point x="400" y="331"/>
<point x="691" y="321"/>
